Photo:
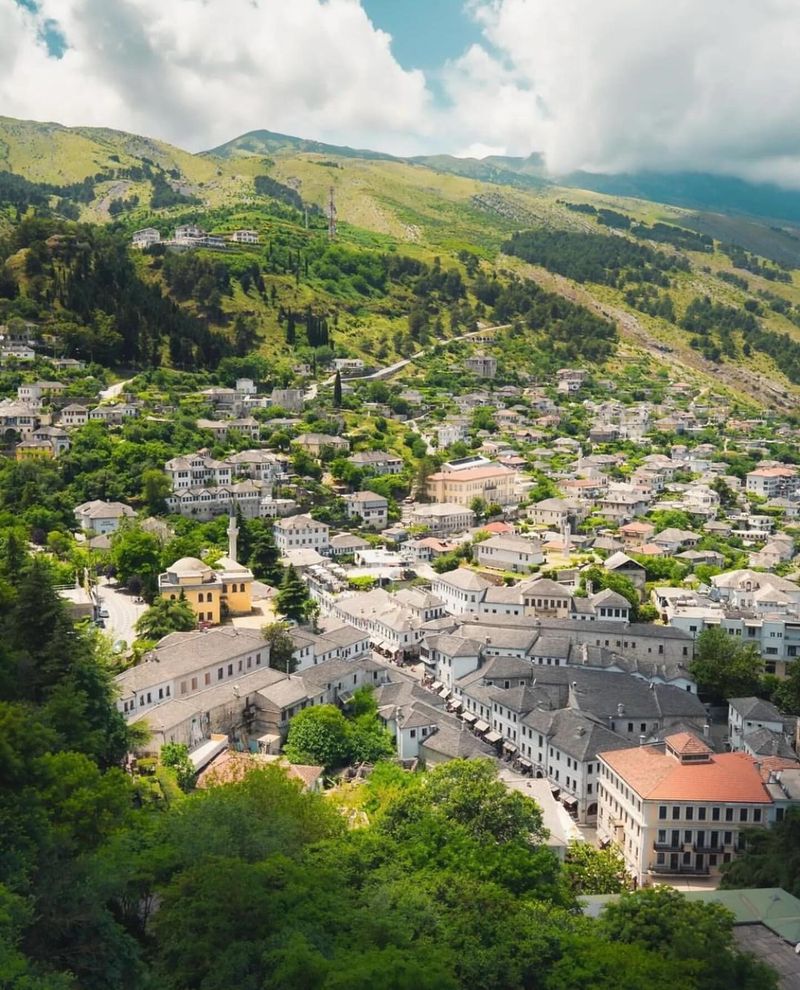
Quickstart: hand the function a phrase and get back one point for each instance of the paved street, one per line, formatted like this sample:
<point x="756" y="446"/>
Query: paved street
<point x="122" y="611"/>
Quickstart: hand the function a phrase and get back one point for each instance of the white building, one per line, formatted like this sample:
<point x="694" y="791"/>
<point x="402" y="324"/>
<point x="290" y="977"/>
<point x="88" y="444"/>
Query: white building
<point x="677" y="809"/>
<point x="300" y="531"/>
<point x="100" y="518"/>
<point x="443" y="517"/>
<point x="145" y="238"/>
<point x="371" y="509"/>
<point x="245" y="237"/>
<point x="460" y="590"/>
<point x="509" y="553"/>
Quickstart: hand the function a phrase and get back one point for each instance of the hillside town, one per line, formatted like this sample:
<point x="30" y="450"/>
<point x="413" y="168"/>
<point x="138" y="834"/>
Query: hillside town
<point x="554" y="575"/>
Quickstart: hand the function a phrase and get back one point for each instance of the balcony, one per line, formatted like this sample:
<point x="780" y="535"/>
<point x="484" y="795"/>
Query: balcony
<point x="667" y="847"/>
<point x="687" y="871"/>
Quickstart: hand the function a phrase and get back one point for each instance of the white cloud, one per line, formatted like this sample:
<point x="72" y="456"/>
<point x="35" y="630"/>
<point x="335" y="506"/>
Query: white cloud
<point x="198" y="72"/>
<point x="616" y="85"/>
<point x="603" y="85"/>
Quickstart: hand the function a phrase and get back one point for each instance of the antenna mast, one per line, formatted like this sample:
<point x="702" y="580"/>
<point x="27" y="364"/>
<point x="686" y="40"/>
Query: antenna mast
<point x="331" y="218"/>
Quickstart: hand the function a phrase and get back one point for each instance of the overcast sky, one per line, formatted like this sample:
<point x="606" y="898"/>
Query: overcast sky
<point x="604" y="85"/>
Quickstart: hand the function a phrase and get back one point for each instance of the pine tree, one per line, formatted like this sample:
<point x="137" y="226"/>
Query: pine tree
<point x="293" y="599"/>
<point x="337" y="390"/>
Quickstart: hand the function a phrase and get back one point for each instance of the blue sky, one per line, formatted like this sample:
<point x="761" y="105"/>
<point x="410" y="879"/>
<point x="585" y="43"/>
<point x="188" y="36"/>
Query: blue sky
<point x="425" y="33"/>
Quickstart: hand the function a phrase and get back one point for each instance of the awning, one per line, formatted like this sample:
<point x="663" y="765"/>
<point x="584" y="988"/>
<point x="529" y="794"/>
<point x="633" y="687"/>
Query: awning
<point x="444" y="693"/>
<point x="437" y="686"/>
<point x="493" y="737"/>
<point x="481" y="726"/>
<point x="525" y="763"/>
<point x="569" y="802"/>
<point x="509" y="747"/>
<point x="456" y="706"/>
<point x="469" y="718"/>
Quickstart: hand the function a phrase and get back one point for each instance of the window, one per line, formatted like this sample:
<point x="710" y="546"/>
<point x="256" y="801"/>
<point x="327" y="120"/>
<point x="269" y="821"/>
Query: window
<point x="194" y="684"/>
<point x="701" y="814"/>
<point x="742" y="814"/>
<point x="219" y="673"/>
<point x="729" y="814"/>
<point x="756" y="814"/>
<point x="689" y="815"/>
<point x="676" y="813"/>
<point x="715" y="814"/>
<point x="207" y="678"/>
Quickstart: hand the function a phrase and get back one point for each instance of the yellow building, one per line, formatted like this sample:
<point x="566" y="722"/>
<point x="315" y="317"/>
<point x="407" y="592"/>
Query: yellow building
<point x="213" y="593"/>
<point x="34" y="450"/>
<point x="491" y="482"/>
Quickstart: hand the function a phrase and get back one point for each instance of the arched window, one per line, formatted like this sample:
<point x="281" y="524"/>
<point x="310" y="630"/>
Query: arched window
<point x="200" y="597"/>
<point x="209" y="597"/>
<point x="241" y="587"/>
<point x="172" y="598"/>
<point x="224" y="589"/>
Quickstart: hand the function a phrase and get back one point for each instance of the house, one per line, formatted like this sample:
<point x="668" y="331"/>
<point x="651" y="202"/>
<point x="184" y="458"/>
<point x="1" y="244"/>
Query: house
<point x="462" y="483"/>
<point x="73" y="415"/>
<point x="145" y="238"/>
<point x="300" y="531"/>
<point x="57" y="439"/>
<point x="227" y="589"/>
<point x="570" y="380"/>
<point x="509" y="553"/>
<point x="563" y="746"/>
<point x="37" y="391"/>
<point x="461" y="590"/>
<point x="443" y="517"/>
<point x="746" y="715"/>
<point x="245" y="237"/>
<point x="481" y="365"/>
<point x="636" y="533"/>
<point x="621" y="563"/>
<point x="346" y="544"/>
<point x="315" y="443"/>
<point x="100" y="518"/>
<point x="551" y="512"/>
<point x="376" y="462"/>
<point x="246" y="426"/>
<point x="371" y="509"/>
<point x="349" y="366"/>
<point x="20" y="418"/>
<point x="291" y="399"/>
<point x="672" y="540"/>
<point x="676" y="809"/>
<point x="771" y="482"/>
<point x="186" y="664"/>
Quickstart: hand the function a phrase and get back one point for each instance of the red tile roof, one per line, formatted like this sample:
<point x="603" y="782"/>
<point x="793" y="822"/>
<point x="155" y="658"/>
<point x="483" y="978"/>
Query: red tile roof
<point x="728" y="778"/>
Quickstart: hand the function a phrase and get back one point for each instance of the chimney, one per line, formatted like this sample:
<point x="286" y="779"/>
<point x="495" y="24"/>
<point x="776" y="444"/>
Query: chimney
<point x="620" y="709"/>
<point x="236" y="690"/>
<point x="642" y="739"/>
<point x="706" y="731"/>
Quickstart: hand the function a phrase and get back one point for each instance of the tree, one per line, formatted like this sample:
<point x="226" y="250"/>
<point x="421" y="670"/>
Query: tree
<point x="337" y="390"/>
<point x="136" y="552"/>
<point x="293" y="599"/>
<point x="155" y="488"/>
<point x="281" y="647"/>
<point x="696" y="936"/>
<point x="368" y="739"/>
<point x="264" y="557"/>
<point x="725" y="668"/>
<point x="595" y="871"/>
<point x="166" y="616"/>
<point x="318" y="735"/>
<point x="771" y="858"/>
<point x="787" y="692"/>
<point x="175" y="756"/>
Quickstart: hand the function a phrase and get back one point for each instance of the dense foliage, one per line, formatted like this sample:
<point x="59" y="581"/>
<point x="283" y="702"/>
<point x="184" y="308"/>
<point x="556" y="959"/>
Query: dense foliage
<point x="594" y="257"/>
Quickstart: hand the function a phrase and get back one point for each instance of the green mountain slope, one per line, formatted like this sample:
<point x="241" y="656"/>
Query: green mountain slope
<point x="462" y="211"/>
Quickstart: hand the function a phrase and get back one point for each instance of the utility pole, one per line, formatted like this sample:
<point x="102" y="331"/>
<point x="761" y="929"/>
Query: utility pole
<point x="331" y="217"/>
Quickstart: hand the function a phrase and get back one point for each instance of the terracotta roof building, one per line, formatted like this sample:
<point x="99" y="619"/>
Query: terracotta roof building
<point x="678" y="808"/>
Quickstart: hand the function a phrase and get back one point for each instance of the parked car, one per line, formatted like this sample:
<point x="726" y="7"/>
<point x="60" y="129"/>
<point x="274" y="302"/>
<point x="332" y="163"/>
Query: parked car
<point x="103" y="613"/>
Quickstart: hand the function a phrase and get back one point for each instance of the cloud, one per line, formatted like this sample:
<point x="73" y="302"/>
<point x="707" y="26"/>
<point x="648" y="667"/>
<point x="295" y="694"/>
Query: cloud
<point x="198" y="72"/>
<point x="602" y="85"/>
<point x="620" y="85"/>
